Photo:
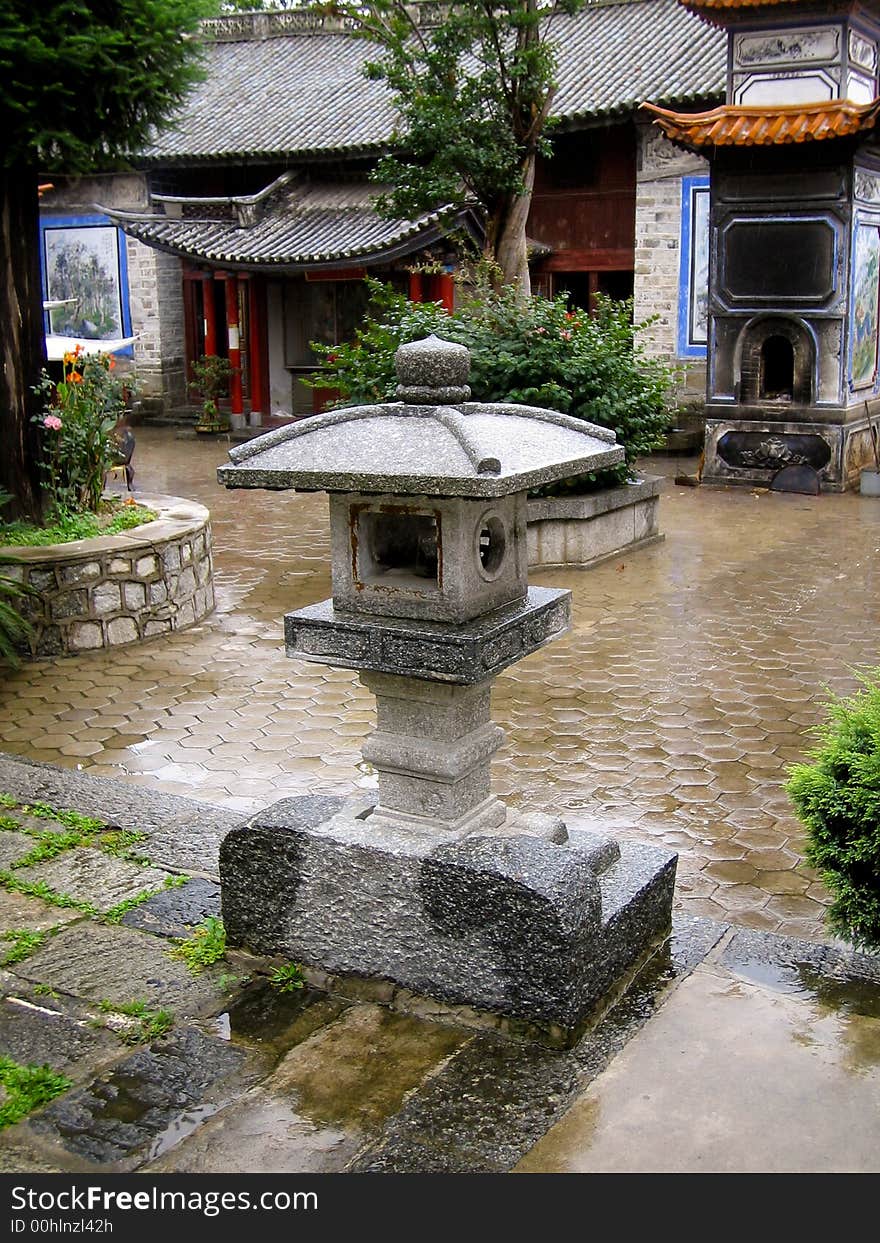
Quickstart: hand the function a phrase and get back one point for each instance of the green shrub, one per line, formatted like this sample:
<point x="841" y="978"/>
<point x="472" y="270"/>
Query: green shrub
<point x="64" y="527"/>
<point x="211" y="375"/>
<point x="15" y="629"/>
<point x="76" y="424"/>
<point x="535" y="351"/>
<point x="837" y="798"/>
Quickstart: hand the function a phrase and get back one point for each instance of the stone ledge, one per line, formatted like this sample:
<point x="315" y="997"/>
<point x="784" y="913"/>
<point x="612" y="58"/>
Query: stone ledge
<point x="581" y="531"/>
<point x="437" y="651"/>
<point x="118" y="589"/>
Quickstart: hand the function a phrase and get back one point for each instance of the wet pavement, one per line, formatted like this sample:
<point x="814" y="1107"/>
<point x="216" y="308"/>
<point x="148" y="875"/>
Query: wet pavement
<point x="670" y="713"/>
<point x="732" y="1050"/>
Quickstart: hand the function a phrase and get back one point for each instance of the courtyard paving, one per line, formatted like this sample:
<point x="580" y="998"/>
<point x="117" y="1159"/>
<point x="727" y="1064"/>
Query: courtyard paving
<point x="690" y="680"/>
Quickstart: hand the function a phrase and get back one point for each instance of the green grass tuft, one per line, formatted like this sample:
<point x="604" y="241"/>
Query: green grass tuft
<point x="27" y="1087"/>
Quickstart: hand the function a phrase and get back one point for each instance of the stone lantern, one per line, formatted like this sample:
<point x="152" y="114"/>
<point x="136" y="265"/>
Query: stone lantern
<point x="437" y="884"/>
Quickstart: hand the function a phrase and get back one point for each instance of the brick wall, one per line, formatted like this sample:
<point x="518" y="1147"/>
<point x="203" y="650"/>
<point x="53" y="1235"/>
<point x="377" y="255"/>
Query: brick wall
<point x="156" y="290"/>
<point x="661" y="167"/>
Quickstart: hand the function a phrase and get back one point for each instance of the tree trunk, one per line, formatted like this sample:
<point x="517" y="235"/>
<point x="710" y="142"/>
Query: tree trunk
<point x="23" y="345"/>
<point x="511" y="253"/>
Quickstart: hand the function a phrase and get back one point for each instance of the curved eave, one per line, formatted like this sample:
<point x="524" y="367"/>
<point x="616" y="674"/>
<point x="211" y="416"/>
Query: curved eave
<point x="403" y="485"/>
<point x="733" y="126"/>
<point x="416" y="239"/>
<point x="263" y="155"/>
<point x="630" y="108"/>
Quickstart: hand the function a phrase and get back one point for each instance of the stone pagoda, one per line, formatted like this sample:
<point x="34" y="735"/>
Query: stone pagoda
<point x="794" y="259"/>
<point x="436" y="886"/>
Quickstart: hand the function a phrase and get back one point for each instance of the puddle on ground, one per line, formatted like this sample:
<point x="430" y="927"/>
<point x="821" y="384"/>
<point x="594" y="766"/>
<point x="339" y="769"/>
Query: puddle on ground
<point x="179" y="1129"/>
<point x="848" y="995"/>
<point x="274" y="1020"/>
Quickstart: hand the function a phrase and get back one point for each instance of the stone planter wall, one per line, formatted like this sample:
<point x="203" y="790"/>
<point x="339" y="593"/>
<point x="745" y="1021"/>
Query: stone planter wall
<point x="580" y="531"/>
<point x="119" y="589"/>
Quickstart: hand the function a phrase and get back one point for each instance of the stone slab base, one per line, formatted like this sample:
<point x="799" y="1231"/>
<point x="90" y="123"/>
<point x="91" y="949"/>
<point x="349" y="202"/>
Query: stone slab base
<point x="582" y="531"/>
<point x="510" y="924"/>
<point x="751" y="451"/>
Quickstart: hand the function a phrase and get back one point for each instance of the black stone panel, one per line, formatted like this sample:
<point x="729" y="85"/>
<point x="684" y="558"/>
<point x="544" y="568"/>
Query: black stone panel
<point x="773" y="450"/>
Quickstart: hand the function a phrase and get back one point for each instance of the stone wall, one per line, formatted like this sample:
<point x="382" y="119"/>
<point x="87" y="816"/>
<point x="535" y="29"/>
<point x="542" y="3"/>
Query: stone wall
<point x="580" y="531"/>
<point x="119" y="589"/>
<point x="661" y="167"/>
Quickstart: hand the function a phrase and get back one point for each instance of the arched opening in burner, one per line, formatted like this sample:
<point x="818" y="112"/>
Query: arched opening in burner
<point x="777" y="369"/>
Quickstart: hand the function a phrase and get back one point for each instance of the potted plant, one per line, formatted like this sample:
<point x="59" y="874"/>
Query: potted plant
<point x="837" y="798"/>
<point x="211" y="379"/>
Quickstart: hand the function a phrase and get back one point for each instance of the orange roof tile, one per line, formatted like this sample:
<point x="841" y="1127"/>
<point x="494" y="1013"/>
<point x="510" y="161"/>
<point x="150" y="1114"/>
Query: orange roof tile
<point x="733" y="126"/>
<point x="734" y="4"/>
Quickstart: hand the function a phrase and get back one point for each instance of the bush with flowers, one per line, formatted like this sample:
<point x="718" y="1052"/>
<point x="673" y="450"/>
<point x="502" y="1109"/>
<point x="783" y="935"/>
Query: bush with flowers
<point x="80" y="412"/>
<point x="537" y="351"/>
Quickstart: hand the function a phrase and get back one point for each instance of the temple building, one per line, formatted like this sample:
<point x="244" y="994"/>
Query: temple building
<point x="246" y="228"/>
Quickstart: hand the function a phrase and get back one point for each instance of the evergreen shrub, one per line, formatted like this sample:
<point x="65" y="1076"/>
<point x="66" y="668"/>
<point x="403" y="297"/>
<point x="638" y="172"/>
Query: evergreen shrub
<point x="535" y="351"/>
<point x="837" y="797"/>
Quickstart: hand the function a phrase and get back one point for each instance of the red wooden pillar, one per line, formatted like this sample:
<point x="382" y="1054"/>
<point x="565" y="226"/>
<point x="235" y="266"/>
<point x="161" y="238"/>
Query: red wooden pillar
<point x="236" y="402"/>
<point x="446" y="291"/>
<point x="416" y="291"/>
<point x="209" y="310"/>
<point x="257" y="350"/>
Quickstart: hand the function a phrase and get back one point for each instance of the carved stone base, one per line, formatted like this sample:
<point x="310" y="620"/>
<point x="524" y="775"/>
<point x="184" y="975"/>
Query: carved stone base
<point x="511" y="924"/>
<point x="751" y="452"/>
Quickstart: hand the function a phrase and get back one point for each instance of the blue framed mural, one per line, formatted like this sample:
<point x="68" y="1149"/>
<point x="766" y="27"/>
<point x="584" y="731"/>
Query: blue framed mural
<point x="693" y="278"/>
<point x="85" y="268"/>
<point x="864" y="303"/>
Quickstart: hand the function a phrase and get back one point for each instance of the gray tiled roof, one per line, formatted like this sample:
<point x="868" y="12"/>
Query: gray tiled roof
<point x="294" y="91"/>
<point x="294" y="227"/>
<point x="612" y="57"/>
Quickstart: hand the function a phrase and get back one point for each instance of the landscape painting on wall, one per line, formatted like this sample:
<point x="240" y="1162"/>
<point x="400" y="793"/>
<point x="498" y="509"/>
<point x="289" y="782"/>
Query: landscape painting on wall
<point x="865" y="288"/>
<point x="82" y="270"/>
<point x="693" y="325"/>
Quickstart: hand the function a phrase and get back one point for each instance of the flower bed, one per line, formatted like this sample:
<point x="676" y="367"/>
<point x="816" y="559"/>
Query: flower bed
<point x="580" y="531"/>
<point x="118" y="589"/>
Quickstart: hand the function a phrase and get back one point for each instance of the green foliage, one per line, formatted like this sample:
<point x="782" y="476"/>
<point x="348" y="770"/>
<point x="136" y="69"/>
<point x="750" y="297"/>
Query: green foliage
<point x="76" y="425"/>
<point x="47" y="847"/>
<point x="23" y="943"/>
<point x="112" y="517"/>
<point x="211" y="375"/>
<point x="39" y="889"/>
<point x="287" y="979"/>
<point x="204" y="946"/>
<point x="472" y="85"/>
<point x="15" y="629"/>
<point x="149" y="1025"/>
<point x="85" y="81"/>
<point x="837" y="798"/>
<point x="27" y="1087"/>
<point x="532" y="351"/>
